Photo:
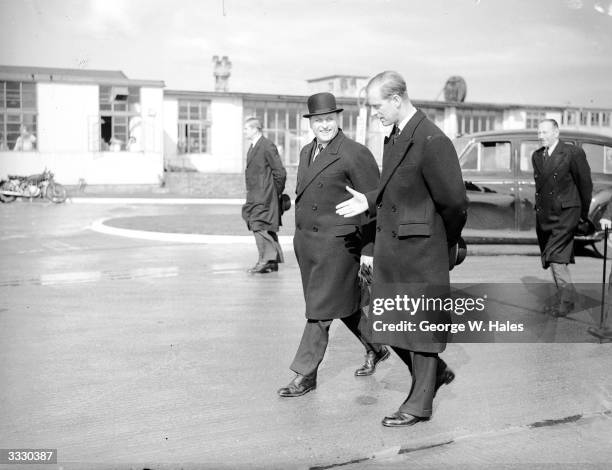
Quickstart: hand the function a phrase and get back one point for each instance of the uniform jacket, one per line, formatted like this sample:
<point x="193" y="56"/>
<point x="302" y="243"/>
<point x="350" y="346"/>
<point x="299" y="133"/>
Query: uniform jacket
<point x="420" y="206"/>
<point x="328" y="246"/>
<point x="563" y="195"/>
<point x="265" y="181"/>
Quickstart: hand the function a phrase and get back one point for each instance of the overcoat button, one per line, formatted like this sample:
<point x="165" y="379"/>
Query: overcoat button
<point x="393" y="234"/>
<point x="393" y="208"/>
<point x="315" y="229"/>
<point x="378" y="229"/>
<point x="298" y="226"/>
<point x="379" y="205"/>
<point x="319" y="184"/>
<point x="314" y="207"/>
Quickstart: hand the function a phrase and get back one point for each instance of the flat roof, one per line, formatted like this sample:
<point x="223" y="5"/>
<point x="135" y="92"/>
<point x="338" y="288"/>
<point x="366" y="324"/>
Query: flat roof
<point x="350" y="100"/>
<point x="53" y="74"/>
<point x="335" y="76"/>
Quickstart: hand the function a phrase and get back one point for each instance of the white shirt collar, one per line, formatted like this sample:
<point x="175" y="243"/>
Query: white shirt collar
<point x="404" y="121"/>
<point x="552" y="147"/>
<point x="254" y="141"/>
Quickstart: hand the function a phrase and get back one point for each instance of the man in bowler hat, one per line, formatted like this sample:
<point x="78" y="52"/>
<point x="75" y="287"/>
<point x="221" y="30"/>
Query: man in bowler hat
<point x="329" y="248"/>
<point x="420" y="206"/>
<point x="265" y="180"/>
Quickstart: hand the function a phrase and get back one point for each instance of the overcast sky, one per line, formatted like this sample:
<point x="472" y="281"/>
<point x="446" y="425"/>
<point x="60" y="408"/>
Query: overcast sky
<point x="509" y="51"/>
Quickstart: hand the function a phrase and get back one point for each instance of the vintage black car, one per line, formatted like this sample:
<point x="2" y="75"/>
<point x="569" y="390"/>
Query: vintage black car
<point x="498" y="176"/>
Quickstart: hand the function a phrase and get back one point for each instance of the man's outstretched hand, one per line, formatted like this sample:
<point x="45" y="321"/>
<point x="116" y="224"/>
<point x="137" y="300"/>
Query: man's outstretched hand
<point x="354" y="206"/>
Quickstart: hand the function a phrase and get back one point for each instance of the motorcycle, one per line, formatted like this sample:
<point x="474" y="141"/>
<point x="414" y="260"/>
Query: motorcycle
<point x="42" y="185"/>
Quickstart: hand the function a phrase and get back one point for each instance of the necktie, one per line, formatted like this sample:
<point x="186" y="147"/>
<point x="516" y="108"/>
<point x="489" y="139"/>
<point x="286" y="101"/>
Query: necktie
<point x="545" y="154"/>
<point x="394" y="134"/>
<point x="318" y="150"/>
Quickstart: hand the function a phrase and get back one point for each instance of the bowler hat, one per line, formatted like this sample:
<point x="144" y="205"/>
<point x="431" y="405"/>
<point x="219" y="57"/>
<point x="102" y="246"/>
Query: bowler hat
<point x="285" y="203"/>
<point x="456" y="254"/>
<point x="322" y="103"/>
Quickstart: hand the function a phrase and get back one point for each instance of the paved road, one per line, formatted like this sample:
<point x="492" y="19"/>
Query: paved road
<point x="130" y="353"/>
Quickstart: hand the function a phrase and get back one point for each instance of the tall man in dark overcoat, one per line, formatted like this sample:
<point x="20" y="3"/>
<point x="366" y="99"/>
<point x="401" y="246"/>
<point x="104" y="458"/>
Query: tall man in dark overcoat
<point x="265" y="181"/>
<point x="420" y="206"/>
<point x="562" y="199"/>
<point x="328" y="247"/>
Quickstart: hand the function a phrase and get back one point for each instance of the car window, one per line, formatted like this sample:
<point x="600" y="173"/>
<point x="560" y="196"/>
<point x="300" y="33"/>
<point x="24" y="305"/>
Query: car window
<point x="599" y="157"/>
<point x="469" y="158"/>
<point x="527" y="149"/>
<point x="487" y="156"/>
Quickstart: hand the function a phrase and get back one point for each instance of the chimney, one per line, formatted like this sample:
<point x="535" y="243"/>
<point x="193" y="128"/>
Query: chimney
<point x="222" y="72"/>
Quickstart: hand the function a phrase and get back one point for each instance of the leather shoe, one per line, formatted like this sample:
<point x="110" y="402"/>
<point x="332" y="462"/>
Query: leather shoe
<point x="402" y="419"/>
<point x="264" y="268"/>
<point x="444" y="378"/>
<point x="299" y="386"/>
<point x="371" y="360"/>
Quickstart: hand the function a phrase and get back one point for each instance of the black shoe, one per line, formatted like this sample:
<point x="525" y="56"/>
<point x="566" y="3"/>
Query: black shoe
<point x="299" y="386"/>
<point x="371" y="361"/>
<point x="264" y="268"/>
<point x="444" y="378"/>
<point x="398" y="419"/>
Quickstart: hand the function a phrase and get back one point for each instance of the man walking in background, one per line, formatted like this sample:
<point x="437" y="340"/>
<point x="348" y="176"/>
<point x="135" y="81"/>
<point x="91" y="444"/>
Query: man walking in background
<point x="420" y="206"/>
<point x="328" y="247"/>
<point x="563" y="195"/>
<point x="265" y="181"/>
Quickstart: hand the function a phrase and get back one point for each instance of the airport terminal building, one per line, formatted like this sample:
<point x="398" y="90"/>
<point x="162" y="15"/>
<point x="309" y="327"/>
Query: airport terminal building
<point x="102" y="129"/>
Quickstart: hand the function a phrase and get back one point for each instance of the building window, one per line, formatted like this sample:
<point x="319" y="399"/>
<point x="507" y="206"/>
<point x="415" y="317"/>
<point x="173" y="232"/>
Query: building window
<point x="120" y="118"/>
<point x="605" y="119"/>
<point x="18" y="115"/>
<point x="284" y="125"/>
<point x="475" y="120"/>
<point x="436" y="115"/>
<point x="584" y="118"/>
<point x="533" y="118"/>
<point x="595" y="118"/>
<point x="194" y="126"/>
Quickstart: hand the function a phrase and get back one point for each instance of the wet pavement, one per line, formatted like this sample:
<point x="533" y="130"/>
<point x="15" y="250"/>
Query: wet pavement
<point x="139" y="353"/>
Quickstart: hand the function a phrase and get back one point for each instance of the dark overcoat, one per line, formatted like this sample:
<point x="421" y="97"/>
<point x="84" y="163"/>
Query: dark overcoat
<point x="421" y="208"/>
<point x="328" y="246"/>
<point x="563" y="194"/>
<point x="265" y="181"/>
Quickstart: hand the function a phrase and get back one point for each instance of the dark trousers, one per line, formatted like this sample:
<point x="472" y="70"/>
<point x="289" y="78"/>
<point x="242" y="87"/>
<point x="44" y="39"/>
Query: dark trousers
<point x="314" y="343"/>
<point x="426" y="369"/>
<point x="268" y="246"/>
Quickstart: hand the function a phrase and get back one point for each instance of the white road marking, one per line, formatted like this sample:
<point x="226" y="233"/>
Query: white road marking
<point x="100" y="227"/>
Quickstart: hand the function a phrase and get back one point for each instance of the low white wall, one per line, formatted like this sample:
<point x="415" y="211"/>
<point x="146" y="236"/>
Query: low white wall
<point x="92" y="167"/>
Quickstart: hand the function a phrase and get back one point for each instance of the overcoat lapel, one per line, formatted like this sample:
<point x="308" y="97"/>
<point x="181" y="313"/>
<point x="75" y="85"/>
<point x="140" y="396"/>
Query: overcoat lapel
<point x="253" y="151"/>
<point x="394" y="153"/>
<point x="325" y="158"/>
<point x="538" y="162"/>
<point x="556" y="159"/>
